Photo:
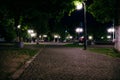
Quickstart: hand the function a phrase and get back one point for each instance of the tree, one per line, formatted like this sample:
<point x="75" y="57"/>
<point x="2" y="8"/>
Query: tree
<point x="38" y="20"/>
<point x="117" y="32"/>
<point x="105" y="11"/>
<point x="7" y="29"/>
<point x="37" y="13"/>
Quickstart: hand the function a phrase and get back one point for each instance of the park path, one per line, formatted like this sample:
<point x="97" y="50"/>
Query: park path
<point x="71" y="64"/>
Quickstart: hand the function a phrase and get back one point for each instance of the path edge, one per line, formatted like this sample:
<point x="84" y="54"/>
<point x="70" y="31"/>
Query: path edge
<point x="17" y="74"/>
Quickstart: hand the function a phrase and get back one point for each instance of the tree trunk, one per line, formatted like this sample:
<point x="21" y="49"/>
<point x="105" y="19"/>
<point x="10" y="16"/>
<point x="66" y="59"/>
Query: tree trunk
<point x="117" y="38"/>
<point x="117" y="23"/>
<point x="117" y="30"/>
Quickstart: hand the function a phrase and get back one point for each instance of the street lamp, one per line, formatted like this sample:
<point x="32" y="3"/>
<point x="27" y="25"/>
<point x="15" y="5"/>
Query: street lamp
<point x="108" y="36"/>
<point x="83" y="4"/>
<point x="19" y="38"/>
<point x="55" y="37"/>
<point x="111" y="30"/>
<point x="18" y="26"/>
<point x="78" y="5"/>
<point x="90" y="37"/>
<point x="78" y="30"/>
<point x="20" y="43"/>
<point x="30" y="31"/>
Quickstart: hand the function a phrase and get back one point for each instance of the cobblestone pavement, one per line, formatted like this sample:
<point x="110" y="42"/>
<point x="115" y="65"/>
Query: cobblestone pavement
<point x="72" y="64"/>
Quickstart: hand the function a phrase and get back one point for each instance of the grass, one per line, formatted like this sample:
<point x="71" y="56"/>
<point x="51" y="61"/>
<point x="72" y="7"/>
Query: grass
<point x="107" y="51"/>
<point x="73" y="45"/>
<point x="12" y="58"/>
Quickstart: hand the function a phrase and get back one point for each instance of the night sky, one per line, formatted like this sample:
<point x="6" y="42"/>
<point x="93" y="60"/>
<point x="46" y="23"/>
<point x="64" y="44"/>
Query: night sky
<point x="93" y="27"/>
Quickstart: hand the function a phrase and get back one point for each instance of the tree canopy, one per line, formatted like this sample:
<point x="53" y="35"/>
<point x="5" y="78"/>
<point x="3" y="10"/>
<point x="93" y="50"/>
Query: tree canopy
<point x="103" y="10"/>
<point x="36" y="13"/>
<point x="43" y="15"/>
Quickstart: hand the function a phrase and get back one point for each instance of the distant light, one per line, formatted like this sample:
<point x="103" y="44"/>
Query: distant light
<point x="71" y="37"/>
<point x="45" y="36"/>
<point x="90" y="37"/>
<point x="78" y="30"/>
<point x="55" y="36"/>
<point x="33" y="34"/>
<point x="102" y="37"/>
<point x="108" y="36"/>
<point x="30" y="31"/>
<point x="66" y="31"/>
<point x="39" y="36"/>
<point x="18" y="26"/>
<point x="59" y="37"/>
<point x="82" y="37"/>
<point x="110" y="30"/>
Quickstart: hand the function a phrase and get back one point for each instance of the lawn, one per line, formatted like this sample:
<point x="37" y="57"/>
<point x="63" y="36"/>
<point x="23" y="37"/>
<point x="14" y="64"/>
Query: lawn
<point x="12" y="58"/>
<point x="73" y="45"/>
<point x="107" y="51"/>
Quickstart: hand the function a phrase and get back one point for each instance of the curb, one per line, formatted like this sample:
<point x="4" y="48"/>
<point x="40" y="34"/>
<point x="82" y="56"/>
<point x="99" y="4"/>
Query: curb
<point x="17" y="74"/>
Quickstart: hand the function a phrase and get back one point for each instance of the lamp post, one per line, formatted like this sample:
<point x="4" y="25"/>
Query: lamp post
<point x="55" y="37"/>
<point x="20" y="43"/>
<point x="85" y="21"/>
<point x="112" y="30"/>
<point x="85" y="27"/>
<point x="18" y="27"/>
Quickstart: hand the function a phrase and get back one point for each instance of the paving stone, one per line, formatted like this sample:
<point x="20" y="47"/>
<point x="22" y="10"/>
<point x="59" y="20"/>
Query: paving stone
<point x="71" y="64"/>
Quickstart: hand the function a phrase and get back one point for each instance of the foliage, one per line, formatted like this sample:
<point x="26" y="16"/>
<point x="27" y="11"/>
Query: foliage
<point x="103" y="10"/>
<point x="7" y="29"/>
<point x="39" y="21"/>
<point x="36" y="13"/>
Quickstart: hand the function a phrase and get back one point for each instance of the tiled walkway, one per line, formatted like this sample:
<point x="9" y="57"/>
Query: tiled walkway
<point x="71" y="64"/>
